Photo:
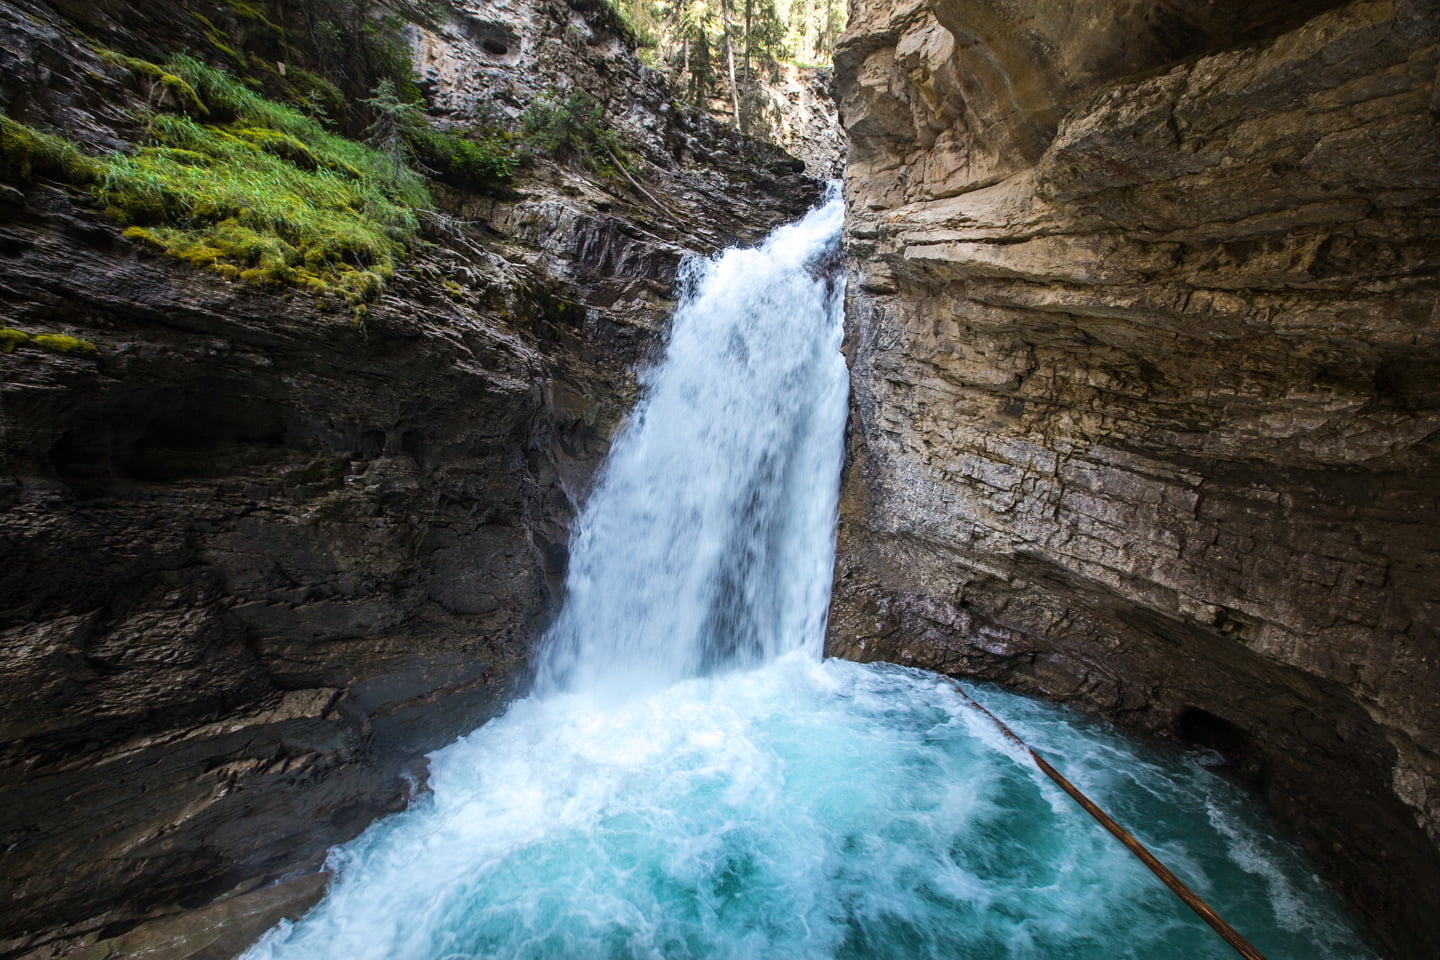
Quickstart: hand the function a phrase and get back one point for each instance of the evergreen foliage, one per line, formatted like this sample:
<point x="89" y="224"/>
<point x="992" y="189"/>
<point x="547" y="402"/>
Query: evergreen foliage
<point x="481" y="162"/>
<point x="722" y="49"/>
<point x="394" y="119"/>
<point x="401" y="132"/>
<point x="571" y="125"/>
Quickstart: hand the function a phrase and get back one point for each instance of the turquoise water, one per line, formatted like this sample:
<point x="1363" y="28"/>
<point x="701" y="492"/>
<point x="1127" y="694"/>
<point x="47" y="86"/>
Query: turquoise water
<point x="810" y="810"/>
<point x="690" y="780"/>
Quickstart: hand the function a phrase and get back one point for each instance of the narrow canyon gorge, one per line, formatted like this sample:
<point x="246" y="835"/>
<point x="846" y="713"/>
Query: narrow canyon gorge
<point x="1143" y="331"/>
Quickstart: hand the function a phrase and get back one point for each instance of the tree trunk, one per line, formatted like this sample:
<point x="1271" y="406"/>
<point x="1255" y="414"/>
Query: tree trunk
<point x="730" y="58"/>
<point x="807" y="32"/>
<point x="749" y="5"/>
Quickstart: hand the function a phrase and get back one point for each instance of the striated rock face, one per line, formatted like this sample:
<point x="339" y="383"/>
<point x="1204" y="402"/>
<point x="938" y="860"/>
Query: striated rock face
<point x="257" y="558"/>
<point x="1145" y="348"/>
<point x="468" y="67"/>
<point x="491" y="58"/>
<point x="800" y="116"/>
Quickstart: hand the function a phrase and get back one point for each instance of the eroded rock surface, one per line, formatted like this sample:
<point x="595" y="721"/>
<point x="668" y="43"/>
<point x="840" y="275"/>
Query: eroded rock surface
<point x="799" y="115"/>
<point x="1145" y="343"/>
<point x="258" y="557"/>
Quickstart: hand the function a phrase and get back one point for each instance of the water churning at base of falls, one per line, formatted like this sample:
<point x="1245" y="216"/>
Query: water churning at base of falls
<point x="690" y="780"/>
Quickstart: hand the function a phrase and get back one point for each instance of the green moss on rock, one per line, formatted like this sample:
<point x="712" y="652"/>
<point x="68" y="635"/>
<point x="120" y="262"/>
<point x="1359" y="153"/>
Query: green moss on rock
<point x="26" y="152"/>
<point x="63" y="343"/>
<point x="165" y="81"/>
<point x="10" y="338"/>
<point x="267" y="195"/>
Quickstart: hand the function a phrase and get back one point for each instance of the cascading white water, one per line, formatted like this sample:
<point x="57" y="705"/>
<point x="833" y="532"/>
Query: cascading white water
<point x="689" y="780"/>
<point x="709" y="539"/>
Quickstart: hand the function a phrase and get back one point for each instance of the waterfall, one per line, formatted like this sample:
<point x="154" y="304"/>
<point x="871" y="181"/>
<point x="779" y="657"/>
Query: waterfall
<point x="690" y="780"/>
<point x="709" y="539"/>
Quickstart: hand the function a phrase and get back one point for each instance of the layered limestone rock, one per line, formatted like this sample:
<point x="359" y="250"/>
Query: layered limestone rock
<point x="258" y="557"/>
<point x="797" y="111"/>
<point x="468" y="66"/>
<point x="1145" y="344"/>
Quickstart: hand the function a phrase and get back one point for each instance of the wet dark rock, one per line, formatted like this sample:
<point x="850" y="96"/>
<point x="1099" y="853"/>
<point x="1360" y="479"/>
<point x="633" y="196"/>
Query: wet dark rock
<point x="258" y="556"/>
<point x="223" y="929"/>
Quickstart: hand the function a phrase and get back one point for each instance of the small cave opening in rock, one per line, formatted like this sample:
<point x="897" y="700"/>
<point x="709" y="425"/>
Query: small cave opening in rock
<point x="417" y="446"/>
<point x="371" y="445"/>
<point x="84" y="463"/>
<point x="205" y="437"/>
<point x="493" y="37"/>
<point x="1201" y="728"/>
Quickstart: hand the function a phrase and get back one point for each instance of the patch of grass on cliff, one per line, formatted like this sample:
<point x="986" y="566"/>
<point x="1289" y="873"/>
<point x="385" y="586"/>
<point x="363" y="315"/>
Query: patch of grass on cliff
<point x="26" y="152"/>
<point x="261" y="192"/>
<point x="264" y="205"/>
<point x="10" y="338"/>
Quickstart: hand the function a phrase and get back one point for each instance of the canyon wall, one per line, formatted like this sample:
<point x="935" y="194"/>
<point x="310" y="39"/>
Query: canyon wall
<point x="1145" y="349"/>
<point x="259" y="555"/>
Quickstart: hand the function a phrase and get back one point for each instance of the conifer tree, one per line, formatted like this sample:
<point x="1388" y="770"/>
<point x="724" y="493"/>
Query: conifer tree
<point x="684" y="37"/>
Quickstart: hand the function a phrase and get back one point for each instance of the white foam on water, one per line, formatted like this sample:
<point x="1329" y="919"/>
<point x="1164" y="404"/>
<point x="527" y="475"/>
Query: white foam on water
<point x="1247" y="849"/>
<point x="799" y="809"/>
<point x="690" y="780"/>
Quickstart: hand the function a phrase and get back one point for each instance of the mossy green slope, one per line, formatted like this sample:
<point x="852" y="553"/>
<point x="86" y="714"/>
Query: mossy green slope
<point x="245" y="186"/>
